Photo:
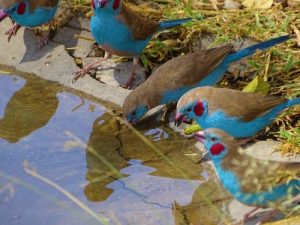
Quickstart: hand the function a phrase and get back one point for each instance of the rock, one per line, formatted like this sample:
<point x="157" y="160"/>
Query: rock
<point x="116" y="74"/>
<point x="52" y="62"/>
<point x="231" y="4"/>
<point x="80" y="24"/>
<point x="269" y="150"/>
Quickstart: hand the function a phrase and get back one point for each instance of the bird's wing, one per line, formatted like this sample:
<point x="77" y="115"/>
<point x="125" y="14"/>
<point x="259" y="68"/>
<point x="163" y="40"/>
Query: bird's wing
<point x="33" y="4"/>
<point x="189" y="69"/>
<point x="246" y="106"/>
<point x="197" y="66"/>
<point x="141" y="27"/>
<point x="261" y="175"/>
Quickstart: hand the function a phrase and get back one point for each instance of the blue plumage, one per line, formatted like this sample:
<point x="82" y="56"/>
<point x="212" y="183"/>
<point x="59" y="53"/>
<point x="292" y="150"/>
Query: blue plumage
<point x="252" y="49"/>
<point x="240" y="114"/>
<point x="23" y="15"/>
<point x="120" y="31"/>
<point x="237" y="127"/>
<point x="172" y="23"/>
<point x="252" y="181"/>
<point x="216" y="75"/>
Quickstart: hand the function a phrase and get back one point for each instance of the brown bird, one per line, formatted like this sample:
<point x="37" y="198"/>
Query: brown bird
<point x="176" y="77"/>
<point x="252" y="181"/>
<point x="240" y="114"/>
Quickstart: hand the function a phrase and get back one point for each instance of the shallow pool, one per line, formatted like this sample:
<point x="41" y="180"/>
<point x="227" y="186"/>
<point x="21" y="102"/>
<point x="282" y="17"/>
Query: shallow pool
<point x="67" y="158"/>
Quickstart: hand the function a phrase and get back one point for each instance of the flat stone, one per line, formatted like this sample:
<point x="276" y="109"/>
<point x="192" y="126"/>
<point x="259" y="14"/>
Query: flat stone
<point x="67" y="36"/>
<point x="52" y="62"/>
<point x="269" y="150"/>
<point x="83" y="47"/>
<point x="116" y="74"/>
<point x="80" y="23"/>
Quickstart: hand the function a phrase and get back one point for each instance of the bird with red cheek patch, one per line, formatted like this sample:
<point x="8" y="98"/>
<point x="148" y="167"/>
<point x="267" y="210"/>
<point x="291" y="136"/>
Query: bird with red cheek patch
<point x="252" y="181"/>
<point x="29" y="13"/>
<point x="121" y="31"/>
<point x="240" y="114"/>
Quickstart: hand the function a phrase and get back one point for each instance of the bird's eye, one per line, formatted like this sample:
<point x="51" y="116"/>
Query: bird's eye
<point x="133" y="113"/>
<point x="189" y="109"/>
<point x="213" y="139"/>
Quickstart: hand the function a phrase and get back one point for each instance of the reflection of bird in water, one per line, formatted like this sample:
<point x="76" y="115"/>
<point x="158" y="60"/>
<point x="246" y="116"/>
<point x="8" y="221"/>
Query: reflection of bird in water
<point x="104" y="142"/>
<point x="29" y="109"/>
<point x="116" y="144"/>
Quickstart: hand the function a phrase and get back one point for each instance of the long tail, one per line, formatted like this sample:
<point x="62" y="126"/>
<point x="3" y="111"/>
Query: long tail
<point x="252" y="49"/>
<point x="173" y="23"/>
<point x="292" y="102"/>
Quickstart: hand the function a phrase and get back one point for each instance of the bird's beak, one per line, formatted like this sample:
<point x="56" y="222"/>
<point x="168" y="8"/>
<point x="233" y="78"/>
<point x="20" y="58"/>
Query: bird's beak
<point x="103" y="3"/>
<point x="179" y="119"/>
<point x="199" y="135"/>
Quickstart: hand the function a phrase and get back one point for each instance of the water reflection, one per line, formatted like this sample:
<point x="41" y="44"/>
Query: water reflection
<point x="30" y="107"/>
<point x="161" y="186"/>
<point x="142" y="198"/>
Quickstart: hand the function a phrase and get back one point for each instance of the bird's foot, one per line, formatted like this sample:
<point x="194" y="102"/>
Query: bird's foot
<point x="129" y="83"/>
<point x="12" y="31"/>
<point x="81" y="73"/>
<point x="248" y="216"/>
<point x="269" y="216"/>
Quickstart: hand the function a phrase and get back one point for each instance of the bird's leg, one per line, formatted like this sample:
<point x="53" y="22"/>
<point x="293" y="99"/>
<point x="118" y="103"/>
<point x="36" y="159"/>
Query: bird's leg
<point x="134" y="67"/>
<point x="244" y="141"/>
<point x="248" y="216"/>
<point x="13" y="31"/>
<point x="45" y="36"/>
<point x="81" y="73"/>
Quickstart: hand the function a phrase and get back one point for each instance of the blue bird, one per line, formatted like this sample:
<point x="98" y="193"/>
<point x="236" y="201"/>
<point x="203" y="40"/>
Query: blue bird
<point x="179" y="75"/>
<point x="119" y="30"/>
<point x="240" y="114"/>
<point x="252" y="181"/>
<point x="30" y="13"/>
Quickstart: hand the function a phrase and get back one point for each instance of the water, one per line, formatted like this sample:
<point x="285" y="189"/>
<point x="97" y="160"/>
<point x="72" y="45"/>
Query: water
<point x="58" y="147"/>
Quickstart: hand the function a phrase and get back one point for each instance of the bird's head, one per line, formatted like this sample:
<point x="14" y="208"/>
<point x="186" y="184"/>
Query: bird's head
<point x="19" y="8"/>
<point x="106" y="5"/>
<point x="190" y="109"/>
<point x="217" y="142"/>
<point x="135" y="107"/>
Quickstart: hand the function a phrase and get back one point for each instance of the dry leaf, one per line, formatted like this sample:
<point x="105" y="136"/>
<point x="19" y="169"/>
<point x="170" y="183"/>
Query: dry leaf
<point x="257" y="85"/>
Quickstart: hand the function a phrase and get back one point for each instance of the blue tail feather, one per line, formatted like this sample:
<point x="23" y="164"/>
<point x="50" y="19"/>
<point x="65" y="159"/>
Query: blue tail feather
<point x="292" y="102"/>
<point x="252" y="49"/>
<point x="173" y="23"/>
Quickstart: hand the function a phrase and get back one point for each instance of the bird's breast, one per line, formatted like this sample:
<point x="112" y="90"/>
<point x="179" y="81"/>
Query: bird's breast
<point x="114" y="36"/>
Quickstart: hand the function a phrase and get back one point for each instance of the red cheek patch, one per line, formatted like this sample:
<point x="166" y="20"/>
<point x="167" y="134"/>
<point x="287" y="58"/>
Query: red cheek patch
<point x="21" y="8"/>
<point x="217" y="149"/>
<point x="199" y="109"/>
<point x="116" y="4"/>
